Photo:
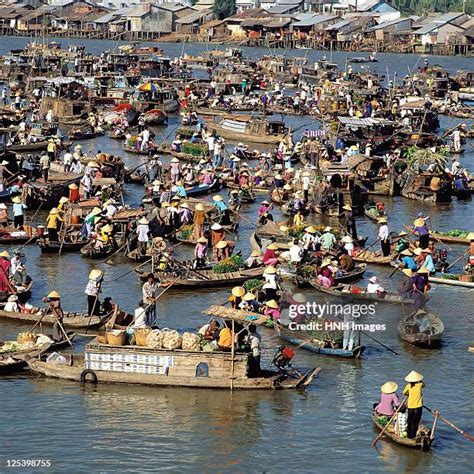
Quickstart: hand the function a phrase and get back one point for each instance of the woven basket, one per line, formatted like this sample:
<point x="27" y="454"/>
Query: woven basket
<point x="26" y="337"/>
<point x="101" y="338"/>
<point x="114" y="340"/>
<point x="141" y="335"/>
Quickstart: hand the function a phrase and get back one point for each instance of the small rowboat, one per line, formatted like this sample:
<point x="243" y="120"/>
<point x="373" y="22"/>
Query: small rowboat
<point x="423" y="440"/>
<point x="23" y="296"/>
<point x="450" y="279"/>
<point x="50" y="246"/>
<point x="354" y="275"/>
<point x="10" y="239"/>
<point x="255" y="189"/>
<point x="208" y="278"/>
<point x="90" y="251"/>
<point x="409" y="330"/>
<point x="11" y="362"/>
<point x="71" y="320"/>
<point x="373" y="213"/>
<point x="376" y="258"/>
<point x="300" y="339"/>
<point x="447" y="239"/>
<point x="345" y="291"/>
<point x="201" y="189"/>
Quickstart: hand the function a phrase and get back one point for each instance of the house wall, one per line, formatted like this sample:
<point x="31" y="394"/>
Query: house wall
<point x="440" y="35"/>
<point x="236" y="30"/>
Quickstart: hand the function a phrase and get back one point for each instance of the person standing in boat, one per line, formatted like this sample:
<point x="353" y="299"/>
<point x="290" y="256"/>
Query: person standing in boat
<point x="421" y="229"/>
<point x="18" y="216"/>
<point x="217" y="234"/>
<point x="52" y="222"/>
<point x="149" y="289"/>
<point x="4" y="272"/>
<point x="198" y="220"/>
<point x="421" y="286"/>
<point x="92" y="291"/>
<point x="54" y="308"/>
<point x="384" y="237"/>
<point x="414" y="392"/>
<point x="200" y="253"/>
<point x="143" y="231"/>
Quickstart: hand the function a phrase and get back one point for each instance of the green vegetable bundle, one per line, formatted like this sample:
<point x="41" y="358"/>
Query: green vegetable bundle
<point x="230" y="264"/>
<point x="194" y="149"/>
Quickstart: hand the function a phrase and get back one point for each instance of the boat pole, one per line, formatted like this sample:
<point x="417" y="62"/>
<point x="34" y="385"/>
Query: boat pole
<point x="132" y="270"/>
<point x="456" y="261"/>
<point x="64" y="332"/>
<point x="232" y="355"/>
<point x="374" y="442"/>
<point x="452" y="425"/>
<point x="116" y="252"/>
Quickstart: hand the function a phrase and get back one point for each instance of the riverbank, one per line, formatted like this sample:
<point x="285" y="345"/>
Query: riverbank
<point x="362" y="46"/>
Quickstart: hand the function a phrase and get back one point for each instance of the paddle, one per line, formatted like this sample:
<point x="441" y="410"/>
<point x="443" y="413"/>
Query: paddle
<point x="116" y="252"/>
<point x="456" y="261"/>
<point x="452" y="425"/>
<point x="64" y="332"/>
<point x="374" y="442"/>
<point x="132" y="270"/>
<point x="367" y="248"/>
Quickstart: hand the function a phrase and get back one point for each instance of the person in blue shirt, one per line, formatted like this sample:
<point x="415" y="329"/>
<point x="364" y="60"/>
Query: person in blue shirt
<point x="428" y="262"/>
<point x="222" y="210"/>
<point x="180" y="191"/>
<point x="407" y="260"/>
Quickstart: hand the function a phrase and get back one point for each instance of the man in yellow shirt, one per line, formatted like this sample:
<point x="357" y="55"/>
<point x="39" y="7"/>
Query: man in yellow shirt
<point x="52" y="222"/>
<point x="225" y="339"/>
<point x="413" y="391"/>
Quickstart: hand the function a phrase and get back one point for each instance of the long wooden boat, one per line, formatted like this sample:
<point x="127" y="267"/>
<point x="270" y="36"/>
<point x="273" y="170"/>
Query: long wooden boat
<point x="246" y="128"/>
<point x="447" y="239"/>
<point x="376" y="258"/>
<point x="423" y="440"/>
<point x="71" y="320"/>
<point x="353" y="275"/>
<point x="300" y="339"/>
<point x="90" y="251"/>
<point x="256" y="189"/>
<point x="202" y="189"/>
<point x="208" y="278"/>
<point x="50" y="246"/>
<point x="11" y="362"/>
<point x="345" y="292"/>
<point x="407" y="330"/>
<point x="170" y="368"/>
<point x="453" y="280"/>
<point x="38" y="146"/>
<point x="7" y="238"/>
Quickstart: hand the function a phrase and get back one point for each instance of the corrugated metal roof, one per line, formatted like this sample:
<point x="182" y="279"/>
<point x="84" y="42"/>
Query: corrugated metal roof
<point x="338" y="25"/>
<point x="316" y="20"/>
<point x="427" y="29"/>
<point x="383" y="25"/>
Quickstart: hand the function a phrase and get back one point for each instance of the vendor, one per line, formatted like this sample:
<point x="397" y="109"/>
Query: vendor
<point x="54" y="308"/>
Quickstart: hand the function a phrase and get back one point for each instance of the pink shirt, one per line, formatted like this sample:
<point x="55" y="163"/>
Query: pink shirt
<point x="200" y="250"/>
<point x="387" y="403"/>
<point x="274" y="313"/>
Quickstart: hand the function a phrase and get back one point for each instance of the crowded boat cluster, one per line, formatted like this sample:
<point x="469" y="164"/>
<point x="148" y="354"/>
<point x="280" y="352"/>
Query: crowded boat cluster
<point x="367" y="138"/>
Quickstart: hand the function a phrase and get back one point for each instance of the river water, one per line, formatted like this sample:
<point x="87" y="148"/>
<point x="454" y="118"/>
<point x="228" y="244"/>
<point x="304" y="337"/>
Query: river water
<point x="325" y="429"/>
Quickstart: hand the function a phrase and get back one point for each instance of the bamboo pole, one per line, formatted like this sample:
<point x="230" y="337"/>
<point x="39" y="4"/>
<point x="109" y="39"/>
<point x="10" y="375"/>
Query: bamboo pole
<point x="232" y="355"/>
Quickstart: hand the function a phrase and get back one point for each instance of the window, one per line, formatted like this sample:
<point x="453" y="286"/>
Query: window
<point x="202" y="370"/>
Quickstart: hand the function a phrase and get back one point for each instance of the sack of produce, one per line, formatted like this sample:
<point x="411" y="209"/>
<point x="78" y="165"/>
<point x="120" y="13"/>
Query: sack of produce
<point x="43" y="340"/>
<point x="140" y="336"/>
<point x="154" y="339"/>
<point x="171" y="340"/>
<point x="25" y="337"/>
<point x="191" y="342"/>
<point x="27" y="345"/>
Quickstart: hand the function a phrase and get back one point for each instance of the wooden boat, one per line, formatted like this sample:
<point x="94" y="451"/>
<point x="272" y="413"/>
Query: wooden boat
<point x="202" y="189"/>
<point x="451" y="279"/>
<point x="11" y="362"/>
<point x="447" y="239"/>
<point x="373" y="213"/>
<point x="50" y="246"/>
<point x="30" y="147"/>
<point x="135" y="151"/>
<point x="330" y="211"/>
<point x="7" y="194"/>
<point x="207" y="278"/>
<point x="90" y="251"/>
<point x="7" y="237"/>
<point x="176" y="368"/>
<point x="376" y="258"/>
<point x="354" y="275"/>
<point x="71" y="320"/>
<point x="248" y="129"/>
<point x="422" y="442"/>
<point x="345" y="292"/>
<point x="300" y="339"/>
<point x="407" y="330"/>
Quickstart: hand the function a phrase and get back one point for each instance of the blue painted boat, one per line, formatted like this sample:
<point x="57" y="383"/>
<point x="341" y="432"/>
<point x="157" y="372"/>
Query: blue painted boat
<point x="298" y="339"/>
<point x="201" y="189"/>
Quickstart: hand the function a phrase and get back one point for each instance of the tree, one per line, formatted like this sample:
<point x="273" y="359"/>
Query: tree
<point x="224" y="8"/>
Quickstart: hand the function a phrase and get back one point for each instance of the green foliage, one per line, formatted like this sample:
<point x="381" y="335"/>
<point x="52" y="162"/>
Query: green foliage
<point x="231" y="264"/>
<point x="194" y="149"/>
<point x="418" y="158"/>
<point x="224" y="8"/>
<point x="421" y="7"/>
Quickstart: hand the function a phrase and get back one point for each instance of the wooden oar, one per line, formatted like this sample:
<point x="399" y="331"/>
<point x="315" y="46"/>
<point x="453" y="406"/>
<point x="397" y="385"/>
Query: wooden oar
<point x="374" y="442"/>
<point x="452" y="425"/>
<point x="456" y="261"/>
<point x="64" y="332"/>
<point x="367" y="248"/>
<point x="116" y="252"/>
<point x="132" y="270"/>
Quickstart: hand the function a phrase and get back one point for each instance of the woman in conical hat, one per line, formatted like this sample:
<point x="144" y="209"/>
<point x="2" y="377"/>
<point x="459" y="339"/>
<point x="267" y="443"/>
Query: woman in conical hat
<point x="389" y="400"/>
<point x="54" y="308"/>
<point x="414" y="392"/>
